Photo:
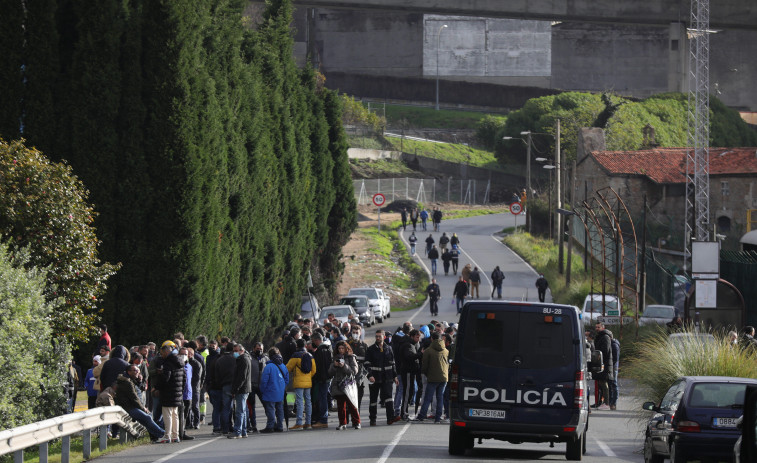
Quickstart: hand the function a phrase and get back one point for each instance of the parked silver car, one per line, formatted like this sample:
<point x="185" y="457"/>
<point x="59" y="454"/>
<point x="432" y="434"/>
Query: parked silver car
<point x="657" y="314"/>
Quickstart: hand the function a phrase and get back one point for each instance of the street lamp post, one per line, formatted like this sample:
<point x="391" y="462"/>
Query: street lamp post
<point x="528" y="180"/>
<point x="438" y="39"/>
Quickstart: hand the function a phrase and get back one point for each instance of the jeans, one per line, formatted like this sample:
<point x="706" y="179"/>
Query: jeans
<point x="397" y="395"/>
<point x="433" y="266"/>
<point x="323" y="401"/>
<point x="460" y="302"/>
<point x="497" y="287"/>
<point x="432" y="302"/>
<point x="146" y="420"/>
<point x="423" y="224"/>
<point x="274" y="411"/>
<point x="433" y="390"/>
<point x="157" y="411"/>
<point x="216" y="401"/>
<point x="454" y="265"/>
<point x="613" y="385"/>
<point x="225" y="409"/>
<point x="301" y="393"/>
<point x="240" y="414"/>
<point x="412" y="249"/>
<point x="408" y="393"/>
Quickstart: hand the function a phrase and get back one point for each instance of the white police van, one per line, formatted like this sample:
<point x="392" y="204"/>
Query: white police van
<point x="519" y="375"/>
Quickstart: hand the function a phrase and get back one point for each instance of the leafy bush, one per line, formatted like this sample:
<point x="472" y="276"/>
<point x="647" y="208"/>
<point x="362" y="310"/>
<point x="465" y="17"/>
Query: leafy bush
<point x="31" y="383"/>
<point x="44" y="207"/>
<point x="658" y="363"/>
<point x="355" y="113"/>
<point x="489" y="130"/>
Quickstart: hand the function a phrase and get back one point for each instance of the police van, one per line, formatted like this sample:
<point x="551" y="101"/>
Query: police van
<point x="519" y="375"/>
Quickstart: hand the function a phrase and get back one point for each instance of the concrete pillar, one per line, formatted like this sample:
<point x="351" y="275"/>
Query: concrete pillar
<point x="678" y="46"/>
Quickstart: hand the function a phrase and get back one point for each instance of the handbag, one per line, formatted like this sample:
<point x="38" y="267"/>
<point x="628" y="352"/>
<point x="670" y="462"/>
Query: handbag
<point x="346" y="382"/>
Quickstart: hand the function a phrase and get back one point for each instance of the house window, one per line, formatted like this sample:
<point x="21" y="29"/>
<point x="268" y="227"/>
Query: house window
<point x="724" y="224"/>
<point x="724" y="190"/>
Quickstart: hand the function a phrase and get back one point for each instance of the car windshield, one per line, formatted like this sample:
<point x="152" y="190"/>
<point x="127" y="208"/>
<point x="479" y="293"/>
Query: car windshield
<point x="371" y="293"/>
<point x="717" y="395"/>
<point x="596" y="305"/>
<point x="340" y="312"/>
<point x="354" y="301"/>
<point x="539" y="343"/>
<point x="656" y="311"/>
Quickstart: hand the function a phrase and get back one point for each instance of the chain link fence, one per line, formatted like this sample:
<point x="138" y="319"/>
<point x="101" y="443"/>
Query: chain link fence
<point x="424" y="190"/>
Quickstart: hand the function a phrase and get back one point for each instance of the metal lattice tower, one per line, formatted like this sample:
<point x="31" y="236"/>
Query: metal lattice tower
<point x="698" y="154"/>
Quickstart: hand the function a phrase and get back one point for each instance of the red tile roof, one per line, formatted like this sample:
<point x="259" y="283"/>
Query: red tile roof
<point x="668" y="165"/>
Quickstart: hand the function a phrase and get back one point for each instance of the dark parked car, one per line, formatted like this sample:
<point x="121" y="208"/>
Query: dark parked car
<point x="360" y="304"/>
<point x="696" y="419"/>
<point x="745" y="450"/>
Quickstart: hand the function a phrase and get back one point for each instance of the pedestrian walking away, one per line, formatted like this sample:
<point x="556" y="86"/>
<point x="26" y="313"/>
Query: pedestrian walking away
<point x="403" y="216"/>
<point x="433" y="255"/>
<point x="412" y="240"/>
<point x="429" y="243"/>
<point x="461" y="289"/>
<point x="437" y="218"/>
<point x="475" y="281"/>
<point x="443" y="241"/>
<point x="433" y="292"/>
<point x="455" y="253"/>
<point x="454" y="241"/>
<point x="541" y="286"/>
<point x="424" y="218"/>
<point x="446" y="259"/>
<point x="466" y="275"/>
<point x="497" y="278"/>
<point x="414" y="217"/>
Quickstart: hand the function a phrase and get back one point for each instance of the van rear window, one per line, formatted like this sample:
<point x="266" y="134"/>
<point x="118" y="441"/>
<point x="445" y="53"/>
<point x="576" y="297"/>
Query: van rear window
<point x="497" y="338"/>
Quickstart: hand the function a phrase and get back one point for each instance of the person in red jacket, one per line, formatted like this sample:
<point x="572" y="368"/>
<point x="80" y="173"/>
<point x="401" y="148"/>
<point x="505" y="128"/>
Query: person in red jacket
<point x="104" y="337"/>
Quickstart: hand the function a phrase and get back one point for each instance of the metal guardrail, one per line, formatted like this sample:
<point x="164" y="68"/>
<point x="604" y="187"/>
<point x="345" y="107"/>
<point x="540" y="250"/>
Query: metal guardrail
<point x="18" y="439"/>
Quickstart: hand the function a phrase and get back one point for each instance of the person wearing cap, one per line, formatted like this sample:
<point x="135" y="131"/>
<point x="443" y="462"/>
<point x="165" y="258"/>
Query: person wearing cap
<point x="170" y="386"/>
<point x="89" y="383"/>
<point x="104" y="337"/>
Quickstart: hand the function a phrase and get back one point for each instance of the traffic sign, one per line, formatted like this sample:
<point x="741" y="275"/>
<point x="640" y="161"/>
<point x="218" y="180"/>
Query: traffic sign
<point x="615" y="320"/>
<point x="516" y="208"/>
<point x="379" y="199"/>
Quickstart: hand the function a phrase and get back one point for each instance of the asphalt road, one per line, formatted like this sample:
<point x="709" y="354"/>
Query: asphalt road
<point x="613" y="435"/>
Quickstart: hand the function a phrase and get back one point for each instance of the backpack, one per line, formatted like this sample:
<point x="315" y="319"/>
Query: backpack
<point x="306" y="363"/>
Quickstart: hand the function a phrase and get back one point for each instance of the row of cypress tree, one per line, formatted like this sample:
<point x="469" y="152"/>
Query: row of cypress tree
<point x="219" y="168"/>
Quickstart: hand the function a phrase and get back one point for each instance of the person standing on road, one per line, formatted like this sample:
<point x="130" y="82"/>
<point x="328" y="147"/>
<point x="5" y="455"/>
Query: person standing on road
<point x="437" y="218"/>
<point x="359" y="348"/>
<point x="224" y="377"/>
<point x="446" y="259"/>
<point x="170" y="383"/>
<point x="259" y="360"/>
<point x="343" y="372"/>
<point x="323" y="358"/>
<point x="455" y="253"/>
<point x="379" y="363"/>
<point x="412" y="240"/>
<point x="433" y="255"/>
<point x="429" y="243"/>
<point x="613" y="383"/>
<point x="443" y="241"/>
<point x="424" y="218"/>
<point x="301" y="369"/>
<point x="410" y="352"/>
<point x="461" y="289"/>
<point x="497" y="278"/>
<point x="403" y="216"/>
<point x="603" y="343"/>
<point x="435" y="368"/>
<point x="241" y="387"/>
<point x="475" y="281"/>
<point x="542" y="285"/>
<point x="414" y="217"/>
<point x="433" y="292"/>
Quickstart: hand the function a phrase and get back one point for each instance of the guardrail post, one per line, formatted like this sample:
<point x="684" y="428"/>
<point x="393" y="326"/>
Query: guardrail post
<point x="65" y="451"/>
<point x="86" y="440"/>
<point x="103" y="437"/>
<point x="43" y="451"/>
<point x="123" y="436"/>
<point x="18" y="456"/>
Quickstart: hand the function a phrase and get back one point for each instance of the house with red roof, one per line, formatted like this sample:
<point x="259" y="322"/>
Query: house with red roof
<point x="660" y="174"/>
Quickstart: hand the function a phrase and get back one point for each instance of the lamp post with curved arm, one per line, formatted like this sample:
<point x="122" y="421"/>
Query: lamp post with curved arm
<point x="438" y="39"/>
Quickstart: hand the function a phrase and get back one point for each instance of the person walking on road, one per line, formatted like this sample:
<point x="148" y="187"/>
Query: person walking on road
<point x="446" y="259"/>
<point x="433" y="292"/>
<point x="455" y="253"/>
<point x="603" y="343"/>
<point x="542" y="285"/>
<point x="429" y="243"/>
<point x="412" y="240"/>
<point x="403" y="216"/>
<point x="437" y="218"/>
<point x="466" y="275"/>
<point x="443" y="241"/>
<point x="454" y="241"/>
<point x="433" y="255"/>
<point x="424" y="218"/>
<point x="497" y="278"/>
<point x="414" y="218"/>
<point x="475" y="281"/>
<point x="461" y="289"/>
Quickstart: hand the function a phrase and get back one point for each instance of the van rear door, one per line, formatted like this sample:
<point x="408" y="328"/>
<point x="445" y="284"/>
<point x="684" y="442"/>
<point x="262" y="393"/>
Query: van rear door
<point x="520" y="361"/>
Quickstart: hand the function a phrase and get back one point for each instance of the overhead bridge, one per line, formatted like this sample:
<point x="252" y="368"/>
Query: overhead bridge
<point x="727" y="14"/>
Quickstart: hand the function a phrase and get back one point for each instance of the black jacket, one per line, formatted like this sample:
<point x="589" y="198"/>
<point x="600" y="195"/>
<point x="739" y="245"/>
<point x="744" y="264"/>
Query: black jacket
<point x="397" y="341"/>
<point x="461" y="289"/>
<point x="379" y="363"/>
<point x="603" y="343"/>
<point x="433" y="253"/>
<point x="475" y="277"/>
<point x="170" y="381"/>
<point x="126" y="394"/>
<point x="542" y="284"/>
<point x="411" y="356"/>
<point x="359" y="348"/>
<point x="287" y="347"/>
<point x="116" y="364"/>
<point x="258" y="363"/>
<point x="323" y="359"/>
<point x="446" y="256"/>
<point x="242" y="382"/>
<point x="454" y="240"/>
<point x="497" y="276"/>
<point x="436" y="216"/>
<point x="210" y="370"/>
<point x="444" y="240"/>
<point x="197" y="373"/>
<point x="224" y="370"/>
<point x="433" y="291"/>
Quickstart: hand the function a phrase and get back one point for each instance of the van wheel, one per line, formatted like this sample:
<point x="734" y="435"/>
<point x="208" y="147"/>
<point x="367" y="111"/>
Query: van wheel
<point x="459" y="442"/>
<point x="574" y="449"/>
<point x="379" y="319"/>
<point x="583" y="447"/>
<point x="389" y="314"/>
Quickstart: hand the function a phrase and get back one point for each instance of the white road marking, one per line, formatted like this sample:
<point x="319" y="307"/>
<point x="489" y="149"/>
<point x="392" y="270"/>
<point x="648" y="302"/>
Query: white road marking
<point x="605" y="448"/>
<point x="389" y="448"/>
<point x="176" y="454"/>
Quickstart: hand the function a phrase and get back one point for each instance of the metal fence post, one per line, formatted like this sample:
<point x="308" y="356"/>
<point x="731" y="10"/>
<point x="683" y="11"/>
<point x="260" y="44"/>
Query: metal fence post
<point x="18" y="456"/>
<point x="65" y="451"/>
<point x="103" y="438"/>
<point x="434" y="194"/>
<point x="407" y="188"/>
<point x="394" y="196"/>
<point x="86" y="440"/>
<point x="449" y="180"/>
<point x="43" y="451"/>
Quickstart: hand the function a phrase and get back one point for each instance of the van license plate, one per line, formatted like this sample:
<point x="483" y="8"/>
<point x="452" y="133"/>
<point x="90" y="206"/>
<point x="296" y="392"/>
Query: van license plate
<point x="724" y="422"/>
<point x="481" y="413"/>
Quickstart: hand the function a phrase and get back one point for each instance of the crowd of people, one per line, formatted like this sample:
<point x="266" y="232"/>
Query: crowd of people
<point x="312" y="371"/>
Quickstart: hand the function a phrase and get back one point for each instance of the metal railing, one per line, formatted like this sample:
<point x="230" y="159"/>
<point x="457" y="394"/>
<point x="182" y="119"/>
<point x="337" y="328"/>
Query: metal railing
<point x="18" y="439"/>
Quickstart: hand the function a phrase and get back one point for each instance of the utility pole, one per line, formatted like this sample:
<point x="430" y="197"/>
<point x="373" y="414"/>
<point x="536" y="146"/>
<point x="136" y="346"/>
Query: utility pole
<point x="557" y="176"/>
<point x="560" y="229"/>
<point x="528" y="183"/>
<point x="570" y="224"/>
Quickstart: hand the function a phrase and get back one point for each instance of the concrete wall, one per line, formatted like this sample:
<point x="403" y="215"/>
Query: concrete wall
<point x="361" y="153"/>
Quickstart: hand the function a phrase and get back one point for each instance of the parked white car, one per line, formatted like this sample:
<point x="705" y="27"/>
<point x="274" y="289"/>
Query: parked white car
<point x="657" y="314"/>
<point x="377" y="301"/>
<point x="341" y="312"/>
<point x="592" y="307"/>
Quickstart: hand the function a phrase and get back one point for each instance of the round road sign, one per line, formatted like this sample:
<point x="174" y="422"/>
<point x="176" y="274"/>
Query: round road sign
<point x="379" y="199"/>
<point x="516" y="208"/>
